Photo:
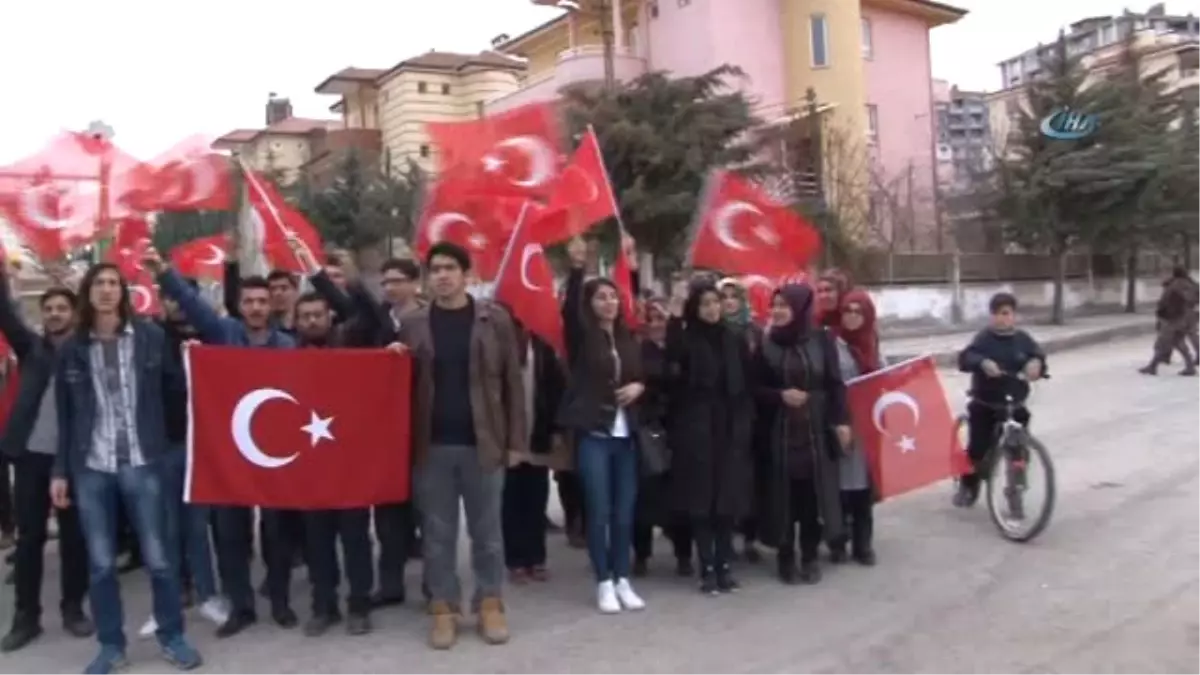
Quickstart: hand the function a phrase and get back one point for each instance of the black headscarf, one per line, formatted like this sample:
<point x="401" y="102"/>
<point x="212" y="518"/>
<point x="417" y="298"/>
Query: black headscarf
<point x="800" y="298"/>
<point x="713" y="361"/>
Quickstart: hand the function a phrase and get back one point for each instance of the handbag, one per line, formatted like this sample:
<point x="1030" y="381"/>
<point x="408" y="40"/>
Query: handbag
<point x="653" y="451"/>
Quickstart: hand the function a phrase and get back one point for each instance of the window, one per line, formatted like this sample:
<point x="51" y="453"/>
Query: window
<point x="422" y="87"/>
<point x="424" y="151"/>
<point x="445" y="90"/>
<point x="819" y="36"/>
<point x="872" y="124"/>
<point x="868" y="41"/>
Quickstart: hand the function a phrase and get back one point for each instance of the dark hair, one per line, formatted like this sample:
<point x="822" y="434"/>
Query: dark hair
<point x="191" y="281"/>
<point x="255" y="281"/>
<point x="408" y="268"/>
<point x="87" y="313"/>
<point x="310" y="297"/>
<point x="275" y="275"/>
<point x="596" y="345"/>
<point x="1001" y="301"/>
<point x="334" y="260"/>
<point x="449" y="250"/>
<point x="1179" y="272"/>
<point x="58" y="292"/>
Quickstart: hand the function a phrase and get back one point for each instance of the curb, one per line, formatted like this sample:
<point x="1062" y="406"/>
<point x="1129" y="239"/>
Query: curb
<point x="1096" y="336"/>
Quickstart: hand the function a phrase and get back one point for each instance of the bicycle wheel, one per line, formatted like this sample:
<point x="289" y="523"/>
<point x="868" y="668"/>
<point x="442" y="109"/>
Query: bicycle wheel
<point x="1009" y="487"/>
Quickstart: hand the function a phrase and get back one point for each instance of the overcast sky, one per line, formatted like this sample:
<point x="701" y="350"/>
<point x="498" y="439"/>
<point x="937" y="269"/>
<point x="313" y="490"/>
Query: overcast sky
<point x="157" y="71"/>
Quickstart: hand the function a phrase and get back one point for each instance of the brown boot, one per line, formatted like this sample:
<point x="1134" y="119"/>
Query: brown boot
<point x="443" y="631"/>
<point x="493" y="627"/>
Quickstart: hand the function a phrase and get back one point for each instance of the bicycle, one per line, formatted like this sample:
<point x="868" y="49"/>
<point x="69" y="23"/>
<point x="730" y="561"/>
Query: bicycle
<point x="1014" y="448"/>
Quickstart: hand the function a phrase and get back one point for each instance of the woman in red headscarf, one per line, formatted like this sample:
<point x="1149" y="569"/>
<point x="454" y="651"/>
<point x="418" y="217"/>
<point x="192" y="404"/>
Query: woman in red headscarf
<point x="831" y="287"/>
<point x="858" y="354"/>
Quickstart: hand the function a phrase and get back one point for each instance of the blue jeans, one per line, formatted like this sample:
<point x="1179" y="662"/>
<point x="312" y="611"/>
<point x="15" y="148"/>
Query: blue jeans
<point x="608" y="469"/>
<point x="186" y="528"/>
<point x="100" y="494"/>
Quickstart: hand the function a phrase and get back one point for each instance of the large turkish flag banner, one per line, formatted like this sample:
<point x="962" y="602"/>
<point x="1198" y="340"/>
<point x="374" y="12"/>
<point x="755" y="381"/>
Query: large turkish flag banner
<point x="298" y="428"/>
<point x="903" y="423"/>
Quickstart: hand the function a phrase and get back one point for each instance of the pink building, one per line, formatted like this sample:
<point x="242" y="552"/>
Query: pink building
<point x="867" y="60"/>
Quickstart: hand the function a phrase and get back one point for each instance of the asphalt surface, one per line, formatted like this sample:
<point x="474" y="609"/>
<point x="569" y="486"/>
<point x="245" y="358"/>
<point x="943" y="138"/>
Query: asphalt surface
<point x="1111" y="586"/>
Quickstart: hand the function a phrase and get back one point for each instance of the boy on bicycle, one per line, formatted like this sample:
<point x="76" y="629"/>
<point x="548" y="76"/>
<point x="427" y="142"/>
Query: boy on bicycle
<point x="996" y="355"/>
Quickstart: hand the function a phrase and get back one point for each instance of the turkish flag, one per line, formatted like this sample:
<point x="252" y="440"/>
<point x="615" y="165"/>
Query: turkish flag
<point x="904" y="425"/>
<point x="280" y="220"/>
<point x="513" y="154"/>
<point x="130" y="240"/>
<point x="298" y="428"/>
<point x="202" y="258"/>
<point x="759" y="293"/>
<point x="741" y="230"/>
<point x="622" y="278"/>
<point x="188" y="177"/>
<point x="582" y="195"/>
<point x="525" y="284"/>
<point x="479" y="224"/>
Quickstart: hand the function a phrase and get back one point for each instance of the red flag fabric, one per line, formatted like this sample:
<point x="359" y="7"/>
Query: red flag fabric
<point x="622" y="278"/>
<point x="740" y="230"/>
<point x="202" y="258"/>
<point x="188" y="177"/>
<point x="131" y="238"/>
<point x="11" y="379"/>
<point x="298" y="428"/>
<point x="514" y="154"/>
<point x="525" y="284"/>
<point x="280" y="219"/>
<point x="481" y="225"/>
<point x="582" y="195"/>
<point x="905" y="427"/>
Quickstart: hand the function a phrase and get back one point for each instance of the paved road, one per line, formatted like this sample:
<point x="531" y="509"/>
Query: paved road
<point x="1110" y="587"/>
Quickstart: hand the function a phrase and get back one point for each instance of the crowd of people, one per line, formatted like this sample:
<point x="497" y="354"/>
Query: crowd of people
<point x="702" y="423"/>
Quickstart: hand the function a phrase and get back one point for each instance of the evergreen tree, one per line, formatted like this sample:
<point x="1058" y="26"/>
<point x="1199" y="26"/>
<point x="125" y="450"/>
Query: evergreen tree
<point x="660" y="136"/>
<point x="1050" y="195"/>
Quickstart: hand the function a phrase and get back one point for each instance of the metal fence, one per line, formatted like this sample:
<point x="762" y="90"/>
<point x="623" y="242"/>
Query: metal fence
<point x="882" y="268"/>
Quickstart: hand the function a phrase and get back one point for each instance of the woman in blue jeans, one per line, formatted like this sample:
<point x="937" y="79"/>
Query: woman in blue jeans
<point x="600" y="407"/>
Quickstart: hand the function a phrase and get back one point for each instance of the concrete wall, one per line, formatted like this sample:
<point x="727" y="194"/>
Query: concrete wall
<point x="932" y="303"/>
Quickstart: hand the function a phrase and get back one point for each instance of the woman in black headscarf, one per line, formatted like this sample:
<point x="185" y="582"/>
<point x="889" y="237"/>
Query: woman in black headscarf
<point x="712" y="418"/>
<point x="802" y="407"/>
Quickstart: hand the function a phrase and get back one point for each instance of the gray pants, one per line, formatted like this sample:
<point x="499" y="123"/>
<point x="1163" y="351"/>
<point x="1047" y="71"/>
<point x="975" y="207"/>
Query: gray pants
<point x="449" y="474"/>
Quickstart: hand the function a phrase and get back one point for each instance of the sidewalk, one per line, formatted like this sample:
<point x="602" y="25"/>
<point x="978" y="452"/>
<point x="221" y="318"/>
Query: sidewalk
<point x="1078" y="332"/>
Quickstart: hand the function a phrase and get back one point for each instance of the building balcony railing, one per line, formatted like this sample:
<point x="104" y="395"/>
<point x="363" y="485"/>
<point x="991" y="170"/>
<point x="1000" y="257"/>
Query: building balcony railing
<point x="578" y="65"/>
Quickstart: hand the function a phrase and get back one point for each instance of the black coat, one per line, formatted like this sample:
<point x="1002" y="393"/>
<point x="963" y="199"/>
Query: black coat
<point x="826" y="405"/>
<point x="35" y="361"/>
<point x="710" y="426"/>
<point x="550" y="381"/>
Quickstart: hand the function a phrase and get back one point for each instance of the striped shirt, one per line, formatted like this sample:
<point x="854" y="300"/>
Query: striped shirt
<point x="114" y="435"/>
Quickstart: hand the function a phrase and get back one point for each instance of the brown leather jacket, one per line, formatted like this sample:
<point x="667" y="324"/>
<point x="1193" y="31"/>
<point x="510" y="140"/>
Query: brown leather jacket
<point x="497" y="388"/>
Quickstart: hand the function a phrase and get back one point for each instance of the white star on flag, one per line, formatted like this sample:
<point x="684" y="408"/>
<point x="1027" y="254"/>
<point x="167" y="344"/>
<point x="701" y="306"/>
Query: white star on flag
<point x="907" y="444"/>
<point x="318" y="428"/>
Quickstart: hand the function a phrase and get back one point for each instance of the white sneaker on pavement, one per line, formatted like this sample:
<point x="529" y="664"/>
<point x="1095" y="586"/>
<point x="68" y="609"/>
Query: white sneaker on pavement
<point x="148" y="629"/>
<point x="214" y="610"/>
<point x="629" y="599"/>
<point x="606" y="598"/>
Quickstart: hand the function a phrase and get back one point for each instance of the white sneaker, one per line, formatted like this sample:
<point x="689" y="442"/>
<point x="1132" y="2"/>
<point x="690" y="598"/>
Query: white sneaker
<point x="148" y="629"/>
<point x="606" y="598"/>
<point x="214" y="610"/>
<point x="629" y="599"/>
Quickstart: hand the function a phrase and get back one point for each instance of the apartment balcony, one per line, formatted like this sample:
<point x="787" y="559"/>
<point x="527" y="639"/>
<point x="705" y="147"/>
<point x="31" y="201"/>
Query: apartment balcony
<point x="578" y="65"/>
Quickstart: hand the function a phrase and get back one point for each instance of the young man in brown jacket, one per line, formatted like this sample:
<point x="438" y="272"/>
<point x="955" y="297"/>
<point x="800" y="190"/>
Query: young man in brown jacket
<point x="468" y="418"/>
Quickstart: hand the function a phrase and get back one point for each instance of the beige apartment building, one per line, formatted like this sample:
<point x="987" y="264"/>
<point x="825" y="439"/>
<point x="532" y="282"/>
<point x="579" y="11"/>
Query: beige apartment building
<point x="1168" y="43"/>
<point x="380" y="114"/>
<point x="433" y="87"/>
